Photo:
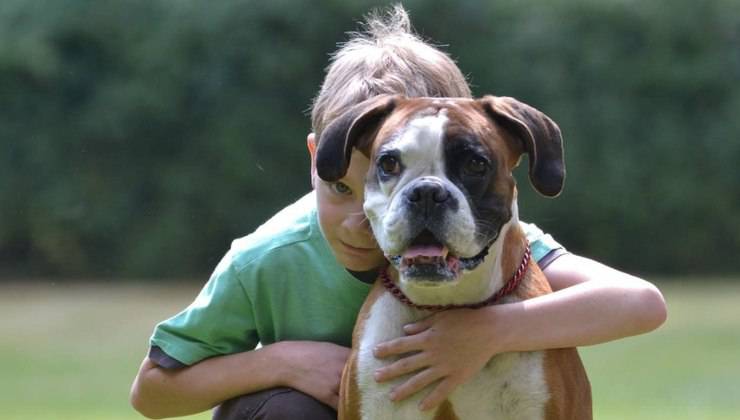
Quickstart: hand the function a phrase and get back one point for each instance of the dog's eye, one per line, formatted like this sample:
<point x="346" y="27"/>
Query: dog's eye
<point x="475" y="166"/>
<point x="389" y="165"/>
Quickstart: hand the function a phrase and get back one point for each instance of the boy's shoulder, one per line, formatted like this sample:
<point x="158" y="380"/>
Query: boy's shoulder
<point x="293" y="229"/>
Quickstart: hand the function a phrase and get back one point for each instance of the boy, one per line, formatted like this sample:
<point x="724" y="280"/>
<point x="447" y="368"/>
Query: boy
<point x="296" y="284"/>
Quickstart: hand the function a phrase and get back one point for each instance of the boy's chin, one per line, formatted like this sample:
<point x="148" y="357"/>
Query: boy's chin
<point x="355" y="263"/>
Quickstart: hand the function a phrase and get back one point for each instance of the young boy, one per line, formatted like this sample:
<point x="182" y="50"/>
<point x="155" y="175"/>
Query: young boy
<point x="296" y="284"/>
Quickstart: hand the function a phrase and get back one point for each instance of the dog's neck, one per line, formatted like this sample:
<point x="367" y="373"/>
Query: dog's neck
<point x="502" y="261"/>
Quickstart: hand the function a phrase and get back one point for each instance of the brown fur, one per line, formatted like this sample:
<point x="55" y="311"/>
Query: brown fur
<point x="349" y="395"/>
<point x="564" y="372"/>
<point x="524" y="130"/>
<point x="514" y="244"/>
<point x="570" y="391"/>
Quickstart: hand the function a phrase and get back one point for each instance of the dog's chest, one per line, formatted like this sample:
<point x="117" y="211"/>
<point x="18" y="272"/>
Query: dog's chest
<point x="511" y="386"/>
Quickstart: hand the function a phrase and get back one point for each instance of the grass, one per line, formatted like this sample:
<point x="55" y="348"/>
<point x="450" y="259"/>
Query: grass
<point x="70" y="352"/>
<point x="688" y="369"/>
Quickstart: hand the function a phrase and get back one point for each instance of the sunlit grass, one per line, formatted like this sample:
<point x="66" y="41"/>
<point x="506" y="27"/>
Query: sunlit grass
<point x="688" y="369"/>
<point x="71" y="352"/>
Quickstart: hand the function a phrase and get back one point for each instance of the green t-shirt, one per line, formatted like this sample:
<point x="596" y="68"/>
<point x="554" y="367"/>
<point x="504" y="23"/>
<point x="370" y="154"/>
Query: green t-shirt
<point x="279" y="283"/>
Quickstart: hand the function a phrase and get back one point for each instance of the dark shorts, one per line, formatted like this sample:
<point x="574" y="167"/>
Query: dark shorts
<point x="274" y="404"/>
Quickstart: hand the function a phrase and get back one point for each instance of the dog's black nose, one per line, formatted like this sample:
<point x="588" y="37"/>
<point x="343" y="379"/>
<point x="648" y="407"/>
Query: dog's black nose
<point x="429" y="197"/>
<point x="428" y="191"/>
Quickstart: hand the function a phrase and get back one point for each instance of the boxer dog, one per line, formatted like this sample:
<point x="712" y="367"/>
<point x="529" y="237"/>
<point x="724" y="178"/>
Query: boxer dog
<point x="441" y="200"/>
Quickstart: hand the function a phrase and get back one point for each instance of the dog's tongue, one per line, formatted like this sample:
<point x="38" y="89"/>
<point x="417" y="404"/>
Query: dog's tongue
<point x="425" y="252"/>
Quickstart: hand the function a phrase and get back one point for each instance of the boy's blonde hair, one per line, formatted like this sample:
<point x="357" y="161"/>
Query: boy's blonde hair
<point x="387" y="57"/>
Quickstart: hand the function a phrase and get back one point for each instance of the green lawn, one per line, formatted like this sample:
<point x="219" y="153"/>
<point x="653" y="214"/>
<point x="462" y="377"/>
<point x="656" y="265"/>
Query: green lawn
<point x="70" y="352"/>
<point x="688" y="369"/>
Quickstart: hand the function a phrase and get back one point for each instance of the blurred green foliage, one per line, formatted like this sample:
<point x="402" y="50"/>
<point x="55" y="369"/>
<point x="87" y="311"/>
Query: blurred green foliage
<point x="138" y="138"/>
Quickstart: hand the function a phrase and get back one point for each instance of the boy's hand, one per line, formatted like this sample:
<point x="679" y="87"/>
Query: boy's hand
<point x="448" y="347"/>
<point x="314" y="368"/>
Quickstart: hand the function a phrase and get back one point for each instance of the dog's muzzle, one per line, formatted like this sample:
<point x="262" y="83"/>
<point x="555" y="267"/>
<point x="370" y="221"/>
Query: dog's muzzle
<point x="430" y="208"/>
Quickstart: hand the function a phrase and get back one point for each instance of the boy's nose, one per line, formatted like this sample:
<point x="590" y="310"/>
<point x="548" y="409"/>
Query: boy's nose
<point x="357" y="221"/>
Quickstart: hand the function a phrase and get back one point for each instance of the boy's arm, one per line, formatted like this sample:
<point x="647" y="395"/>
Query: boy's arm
<point x="313" y="368"/>
<point x="592" y="304"/>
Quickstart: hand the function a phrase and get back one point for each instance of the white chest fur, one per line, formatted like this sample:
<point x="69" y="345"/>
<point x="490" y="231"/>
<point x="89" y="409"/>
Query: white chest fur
<point x="510" y="387"/>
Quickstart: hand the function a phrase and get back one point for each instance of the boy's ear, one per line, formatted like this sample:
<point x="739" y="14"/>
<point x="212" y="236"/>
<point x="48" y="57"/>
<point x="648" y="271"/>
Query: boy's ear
<point x="311" y="143"/>
<point x="344" y="133"/>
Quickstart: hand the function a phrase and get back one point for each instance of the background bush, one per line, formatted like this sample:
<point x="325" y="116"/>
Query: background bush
<point x="139" y="138"/>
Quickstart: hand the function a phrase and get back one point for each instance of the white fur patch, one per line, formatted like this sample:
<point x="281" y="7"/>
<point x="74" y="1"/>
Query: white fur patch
<point x="511" y="387"/>
<point x="420" y="145"/>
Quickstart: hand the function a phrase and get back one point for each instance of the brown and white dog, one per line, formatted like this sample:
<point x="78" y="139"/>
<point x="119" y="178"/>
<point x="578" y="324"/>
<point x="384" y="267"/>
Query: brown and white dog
<point x="441" y="199"/>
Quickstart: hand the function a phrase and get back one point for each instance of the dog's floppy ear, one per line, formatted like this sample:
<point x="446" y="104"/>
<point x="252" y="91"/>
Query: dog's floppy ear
<point x="540" y="137"/>
<point x="343" y="134"/>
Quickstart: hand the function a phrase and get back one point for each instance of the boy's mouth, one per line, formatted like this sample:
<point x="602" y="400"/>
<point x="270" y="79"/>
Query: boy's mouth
<point x="358" y="247"/>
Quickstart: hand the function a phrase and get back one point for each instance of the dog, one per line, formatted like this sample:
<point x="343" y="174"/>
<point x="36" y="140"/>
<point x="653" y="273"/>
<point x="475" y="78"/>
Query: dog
<point x="440" y="197"/>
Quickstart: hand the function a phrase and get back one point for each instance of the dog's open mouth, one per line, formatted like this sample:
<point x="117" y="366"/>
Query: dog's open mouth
<point x="428" y="259"/>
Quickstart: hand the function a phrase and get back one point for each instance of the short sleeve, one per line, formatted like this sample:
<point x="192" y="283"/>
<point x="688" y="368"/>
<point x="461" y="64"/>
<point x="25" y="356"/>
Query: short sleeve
<point x="544" y="247"/>
<point x="161" y="358"/>
<point x="219" y="321"/>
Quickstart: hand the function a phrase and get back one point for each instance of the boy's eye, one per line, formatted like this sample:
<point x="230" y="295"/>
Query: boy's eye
<point x="389" y="165"/>
<point x="341" y="188"/>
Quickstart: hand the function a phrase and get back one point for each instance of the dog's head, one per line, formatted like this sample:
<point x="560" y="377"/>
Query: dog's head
<point x="440" y="187"/>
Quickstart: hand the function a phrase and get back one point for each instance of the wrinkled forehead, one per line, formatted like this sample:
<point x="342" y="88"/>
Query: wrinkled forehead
<point x="426" y="122"/>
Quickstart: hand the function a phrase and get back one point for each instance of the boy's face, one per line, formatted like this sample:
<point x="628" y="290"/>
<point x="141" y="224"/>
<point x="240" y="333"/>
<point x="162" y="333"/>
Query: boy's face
<point x="341" y="217"/>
